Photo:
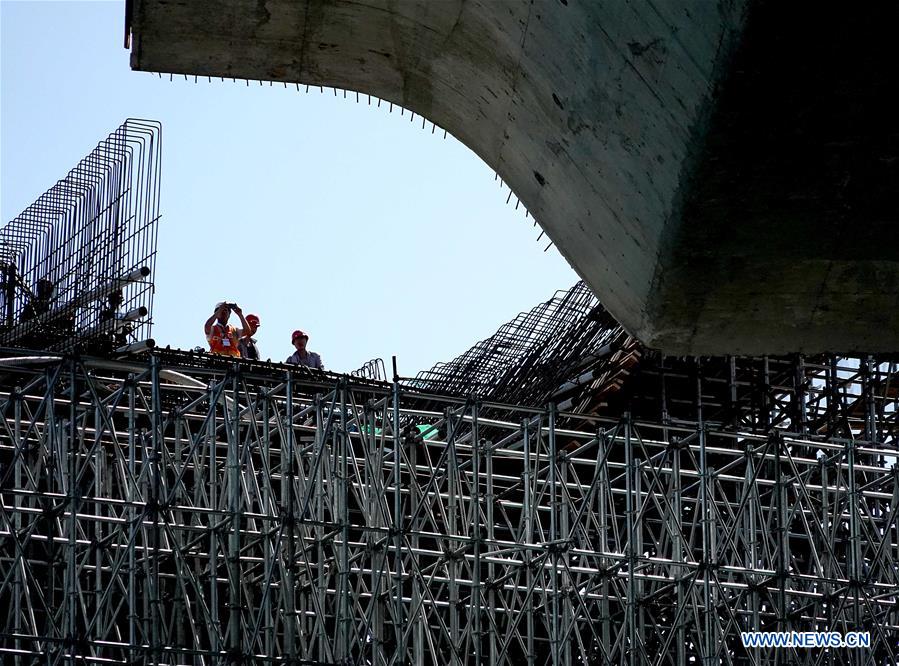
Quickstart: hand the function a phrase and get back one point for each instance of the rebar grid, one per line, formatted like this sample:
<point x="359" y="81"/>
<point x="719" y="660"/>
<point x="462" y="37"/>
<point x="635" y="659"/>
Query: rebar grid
<point x="167" y="511"/>
<point x="77" y="264"/>
<point x="529" y="357"/>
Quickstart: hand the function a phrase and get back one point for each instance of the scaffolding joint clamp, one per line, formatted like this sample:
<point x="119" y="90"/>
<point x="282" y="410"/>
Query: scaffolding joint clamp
<point x="707" y="565"/>
<point x="753" y="586"/>
<point x="677" y="444"/>
<point x="494" y="584"/>
<point x="53" y="510"/>
<point x="559" y="546"/>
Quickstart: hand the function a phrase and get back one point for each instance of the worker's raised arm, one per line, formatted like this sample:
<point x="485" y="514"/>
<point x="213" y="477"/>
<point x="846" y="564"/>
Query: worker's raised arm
<point x="208" y="325"/>
<point x="245" y="331"/>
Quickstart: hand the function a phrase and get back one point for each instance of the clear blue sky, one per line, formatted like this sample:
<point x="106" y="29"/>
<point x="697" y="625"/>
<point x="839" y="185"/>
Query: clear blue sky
<point x="374" y="236"/>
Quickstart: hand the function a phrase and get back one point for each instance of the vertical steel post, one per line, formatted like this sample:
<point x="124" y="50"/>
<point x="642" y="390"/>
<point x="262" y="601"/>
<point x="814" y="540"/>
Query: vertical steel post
<point x="783" y="536"/>
<point x="155" y="501"/>
<point x="566" y="588"/>
<point x="856" y="564"/>
<point x="420" y="625"/>
<point x="708" y="555"/>
<point x="638" y="527"/>
<point x="270" y="543"/>
<point x="98" y="508"/>
<point x="289" y="519"/>
<point x="398" y="528"/>
<point x="19" y="591"/>
<point x="133" y="522"/>
<point x="341" y="453"/>
<point x="679" y="549"/>
<point x="214" y="518"/>
<point x="474" y="596"/>
<point x="866" y="369"/>
<point x="452" y="489"/>
<point x="377" y="546"/>
<point x="320" y="456"/>
<point x="72" y="490"/>
<point x="489" y="499"/>
<point x="754" y="536"/>
<point x="179" y="498"/>
<point x="630" y="620"/>
<point x="603" y="492"/>
<point x="801" y="396"/>
<point x="710" y="644"/>
<point x="529" y="514"/>
<point x="555" y="632"/>
<point x="235" y="633"/>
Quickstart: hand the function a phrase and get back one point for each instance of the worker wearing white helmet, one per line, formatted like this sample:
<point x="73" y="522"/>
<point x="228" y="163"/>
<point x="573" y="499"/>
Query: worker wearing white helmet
<point x="221" y="336"/>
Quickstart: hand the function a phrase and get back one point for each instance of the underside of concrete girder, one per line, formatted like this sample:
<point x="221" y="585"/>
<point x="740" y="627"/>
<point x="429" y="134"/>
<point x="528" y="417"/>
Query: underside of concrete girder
<point x="722" y="174"/>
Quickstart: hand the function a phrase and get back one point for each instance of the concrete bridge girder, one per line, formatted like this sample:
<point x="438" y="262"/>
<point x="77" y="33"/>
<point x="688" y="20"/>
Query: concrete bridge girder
<point x="614" y="123"/>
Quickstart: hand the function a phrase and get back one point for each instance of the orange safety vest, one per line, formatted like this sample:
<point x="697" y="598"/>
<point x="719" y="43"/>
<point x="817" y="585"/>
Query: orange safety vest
<point x="223" y="340"/>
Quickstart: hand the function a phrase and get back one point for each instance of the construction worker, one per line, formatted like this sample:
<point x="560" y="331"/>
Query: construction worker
<point x="221" y="336"/>
<point x="301" y="356"/>
<point x="41" y="301"/>
<point x="247" y="346"/>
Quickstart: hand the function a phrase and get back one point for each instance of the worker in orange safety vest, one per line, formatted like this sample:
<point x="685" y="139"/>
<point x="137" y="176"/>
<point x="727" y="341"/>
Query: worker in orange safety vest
<point x="221" y="336"/>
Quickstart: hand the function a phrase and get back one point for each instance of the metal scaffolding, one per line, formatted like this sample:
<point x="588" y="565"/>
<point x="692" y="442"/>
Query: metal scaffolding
<point x="178" y="508"/>
<point x="77" y="264"/>
<point x="557" y="494"/>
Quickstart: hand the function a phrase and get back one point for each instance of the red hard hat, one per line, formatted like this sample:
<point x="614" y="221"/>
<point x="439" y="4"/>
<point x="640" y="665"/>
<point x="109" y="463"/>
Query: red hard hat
<point x="253" y="320"/>
<point x="298" y="334"/>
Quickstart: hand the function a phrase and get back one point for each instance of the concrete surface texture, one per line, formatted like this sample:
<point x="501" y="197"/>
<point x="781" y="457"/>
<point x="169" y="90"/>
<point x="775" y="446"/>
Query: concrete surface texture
<point x="721" y="172"/>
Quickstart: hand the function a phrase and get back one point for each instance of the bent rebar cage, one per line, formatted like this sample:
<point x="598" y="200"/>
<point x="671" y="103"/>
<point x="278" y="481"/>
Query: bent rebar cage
<point x="168" y="511"/>
<point x="77" y="265"/>
<point x="373" y="369"/>
<point x="532" y="356"/>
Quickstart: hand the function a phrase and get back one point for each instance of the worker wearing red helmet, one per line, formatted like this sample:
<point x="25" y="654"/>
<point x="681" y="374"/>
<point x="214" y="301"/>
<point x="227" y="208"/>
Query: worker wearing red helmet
<point x="302" y="356"/>
<point x="247" y="346"/>
<point x="221" y="336"/>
